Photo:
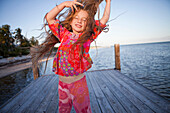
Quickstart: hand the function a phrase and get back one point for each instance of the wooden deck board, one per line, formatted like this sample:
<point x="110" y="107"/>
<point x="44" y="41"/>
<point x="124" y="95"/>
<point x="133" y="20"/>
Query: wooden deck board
<point x="35" y="96"/>
<point x="135" y="101"/>
<point x="47" y="100"/>
<point x="114" y="102"/>
<point x="53" y="105"/>
<point x="122" y="99"/>
<point x="94" y="104"/>
<point x="104" y="104"/>
<point x="143" y="103"/>
<point x="109" y="90"/>
<point x="41" y="96"/>
<point x="157" y="99"/>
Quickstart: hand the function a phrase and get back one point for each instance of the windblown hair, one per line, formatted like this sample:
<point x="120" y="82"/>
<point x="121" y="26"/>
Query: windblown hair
<point x="91" y="7"/>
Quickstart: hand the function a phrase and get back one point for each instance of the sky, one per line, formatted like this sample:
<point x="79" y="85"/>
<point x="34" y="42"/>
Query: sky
<point x="140" y="21"/>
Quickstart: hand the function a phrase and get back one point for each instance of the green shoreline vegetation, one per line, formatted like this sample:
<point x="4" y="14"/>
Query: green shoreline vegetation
<point x="13" y="43"/>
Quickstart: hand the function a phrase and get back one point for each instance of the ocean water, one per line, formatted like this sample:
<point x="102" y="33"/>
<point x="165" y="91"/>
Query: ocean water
<point x="148" y="64"/>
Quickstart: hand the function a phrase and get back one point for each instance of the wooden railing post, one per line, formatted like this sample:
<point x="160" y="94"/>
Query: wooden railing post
<point x="35" y="70"/>
<point x="35" y="67"/>
<point x="117" y="56"/>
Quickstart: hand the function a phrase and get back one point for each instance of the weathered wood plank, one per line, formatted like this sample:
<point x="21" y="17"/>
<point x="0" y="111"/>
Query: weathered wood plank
<point x="142" y="107"/>
<point x="148" y="97"/>
<point x="93" y="101"/>
<point x="124" y="101"/>
<point x="53" y="105"/>
<point x="30" y="101"/>
<point x="45" y="103"/>
<point x="41" y="95"/>
<point x="103" y="103"/>
<point x="114" y="102"/>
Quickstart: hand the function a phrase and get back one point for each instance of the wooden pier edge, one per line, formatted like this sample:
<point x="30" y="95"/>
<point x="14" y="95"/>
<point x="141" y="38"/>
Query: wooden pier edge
<point x="109" y="90"/>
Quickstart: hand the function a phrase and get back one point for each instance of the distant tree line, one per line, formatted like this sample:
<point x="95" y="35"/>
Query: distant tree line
<point x="13" y="43"/>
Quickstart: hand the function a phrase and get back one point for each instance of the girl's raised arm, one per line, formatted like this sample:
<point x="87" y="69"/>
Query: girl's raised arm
<point x="50" y="17"/>
<point x="106" y="13"/>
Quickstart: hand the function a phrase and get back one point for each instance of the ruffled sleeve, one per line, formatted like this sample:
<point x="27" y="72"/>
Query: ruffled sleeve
<point x="98" y="31"/>
<point x="57" y="29"/>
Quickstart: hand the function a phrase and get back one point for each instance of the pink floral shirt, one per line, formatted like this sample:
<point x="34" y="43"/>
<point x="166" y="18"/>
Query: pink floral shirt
<point x="66" y="61"/>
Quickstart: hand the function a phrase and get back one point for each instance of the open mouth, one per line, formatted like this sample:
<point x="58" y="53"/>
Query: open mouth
<point x="78" y="25"/>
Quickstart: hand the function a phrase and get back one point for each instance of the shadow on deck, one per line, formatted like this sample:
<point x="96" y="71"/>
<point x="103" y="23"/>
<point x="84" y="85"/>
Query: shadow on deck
<point x="110" y="92"/>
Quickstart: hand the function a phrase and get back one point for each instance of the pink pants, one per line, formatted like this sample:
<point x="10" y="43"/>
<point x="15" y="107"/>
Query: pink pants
<point x="75" y="94"/>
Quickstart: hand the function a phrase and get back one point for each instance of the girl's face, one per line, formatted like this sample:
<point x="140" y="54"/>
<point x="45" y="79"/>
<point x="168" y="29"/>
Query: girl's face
<point x="79" y="21"/>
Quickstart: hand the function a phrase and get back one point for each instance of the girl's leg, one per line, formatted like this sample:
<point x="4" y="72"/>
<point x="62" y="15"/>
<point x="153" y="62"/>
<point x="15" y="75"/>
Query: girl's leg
<point x="81" y="99"/>
<point x="65" y="100"/>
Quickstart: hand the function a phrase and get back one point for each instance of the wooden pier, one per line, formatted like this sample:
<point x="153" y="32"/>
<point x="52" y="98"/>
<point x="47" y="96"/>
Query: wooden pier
<point x="110" y="92"/>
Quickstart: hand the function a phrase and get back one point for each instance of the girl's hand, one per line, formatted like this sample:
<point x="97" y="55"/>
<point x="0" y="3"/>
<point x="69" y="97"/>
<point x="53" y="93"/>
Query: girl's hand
<point x="72" y="4"/>
<point x="51" y="16"/>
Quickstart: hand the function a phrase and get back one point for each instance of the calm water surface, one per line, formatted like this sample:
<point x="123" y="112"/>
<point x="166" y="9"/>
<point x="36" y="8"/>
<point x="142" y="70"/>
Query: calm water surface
<point x="148" y="64"/>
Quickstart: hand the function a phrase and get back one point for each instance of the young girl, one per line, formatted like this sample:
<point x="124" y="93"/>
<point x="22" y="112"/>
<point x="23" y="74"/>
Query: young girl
<point x="75" y="32"/>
